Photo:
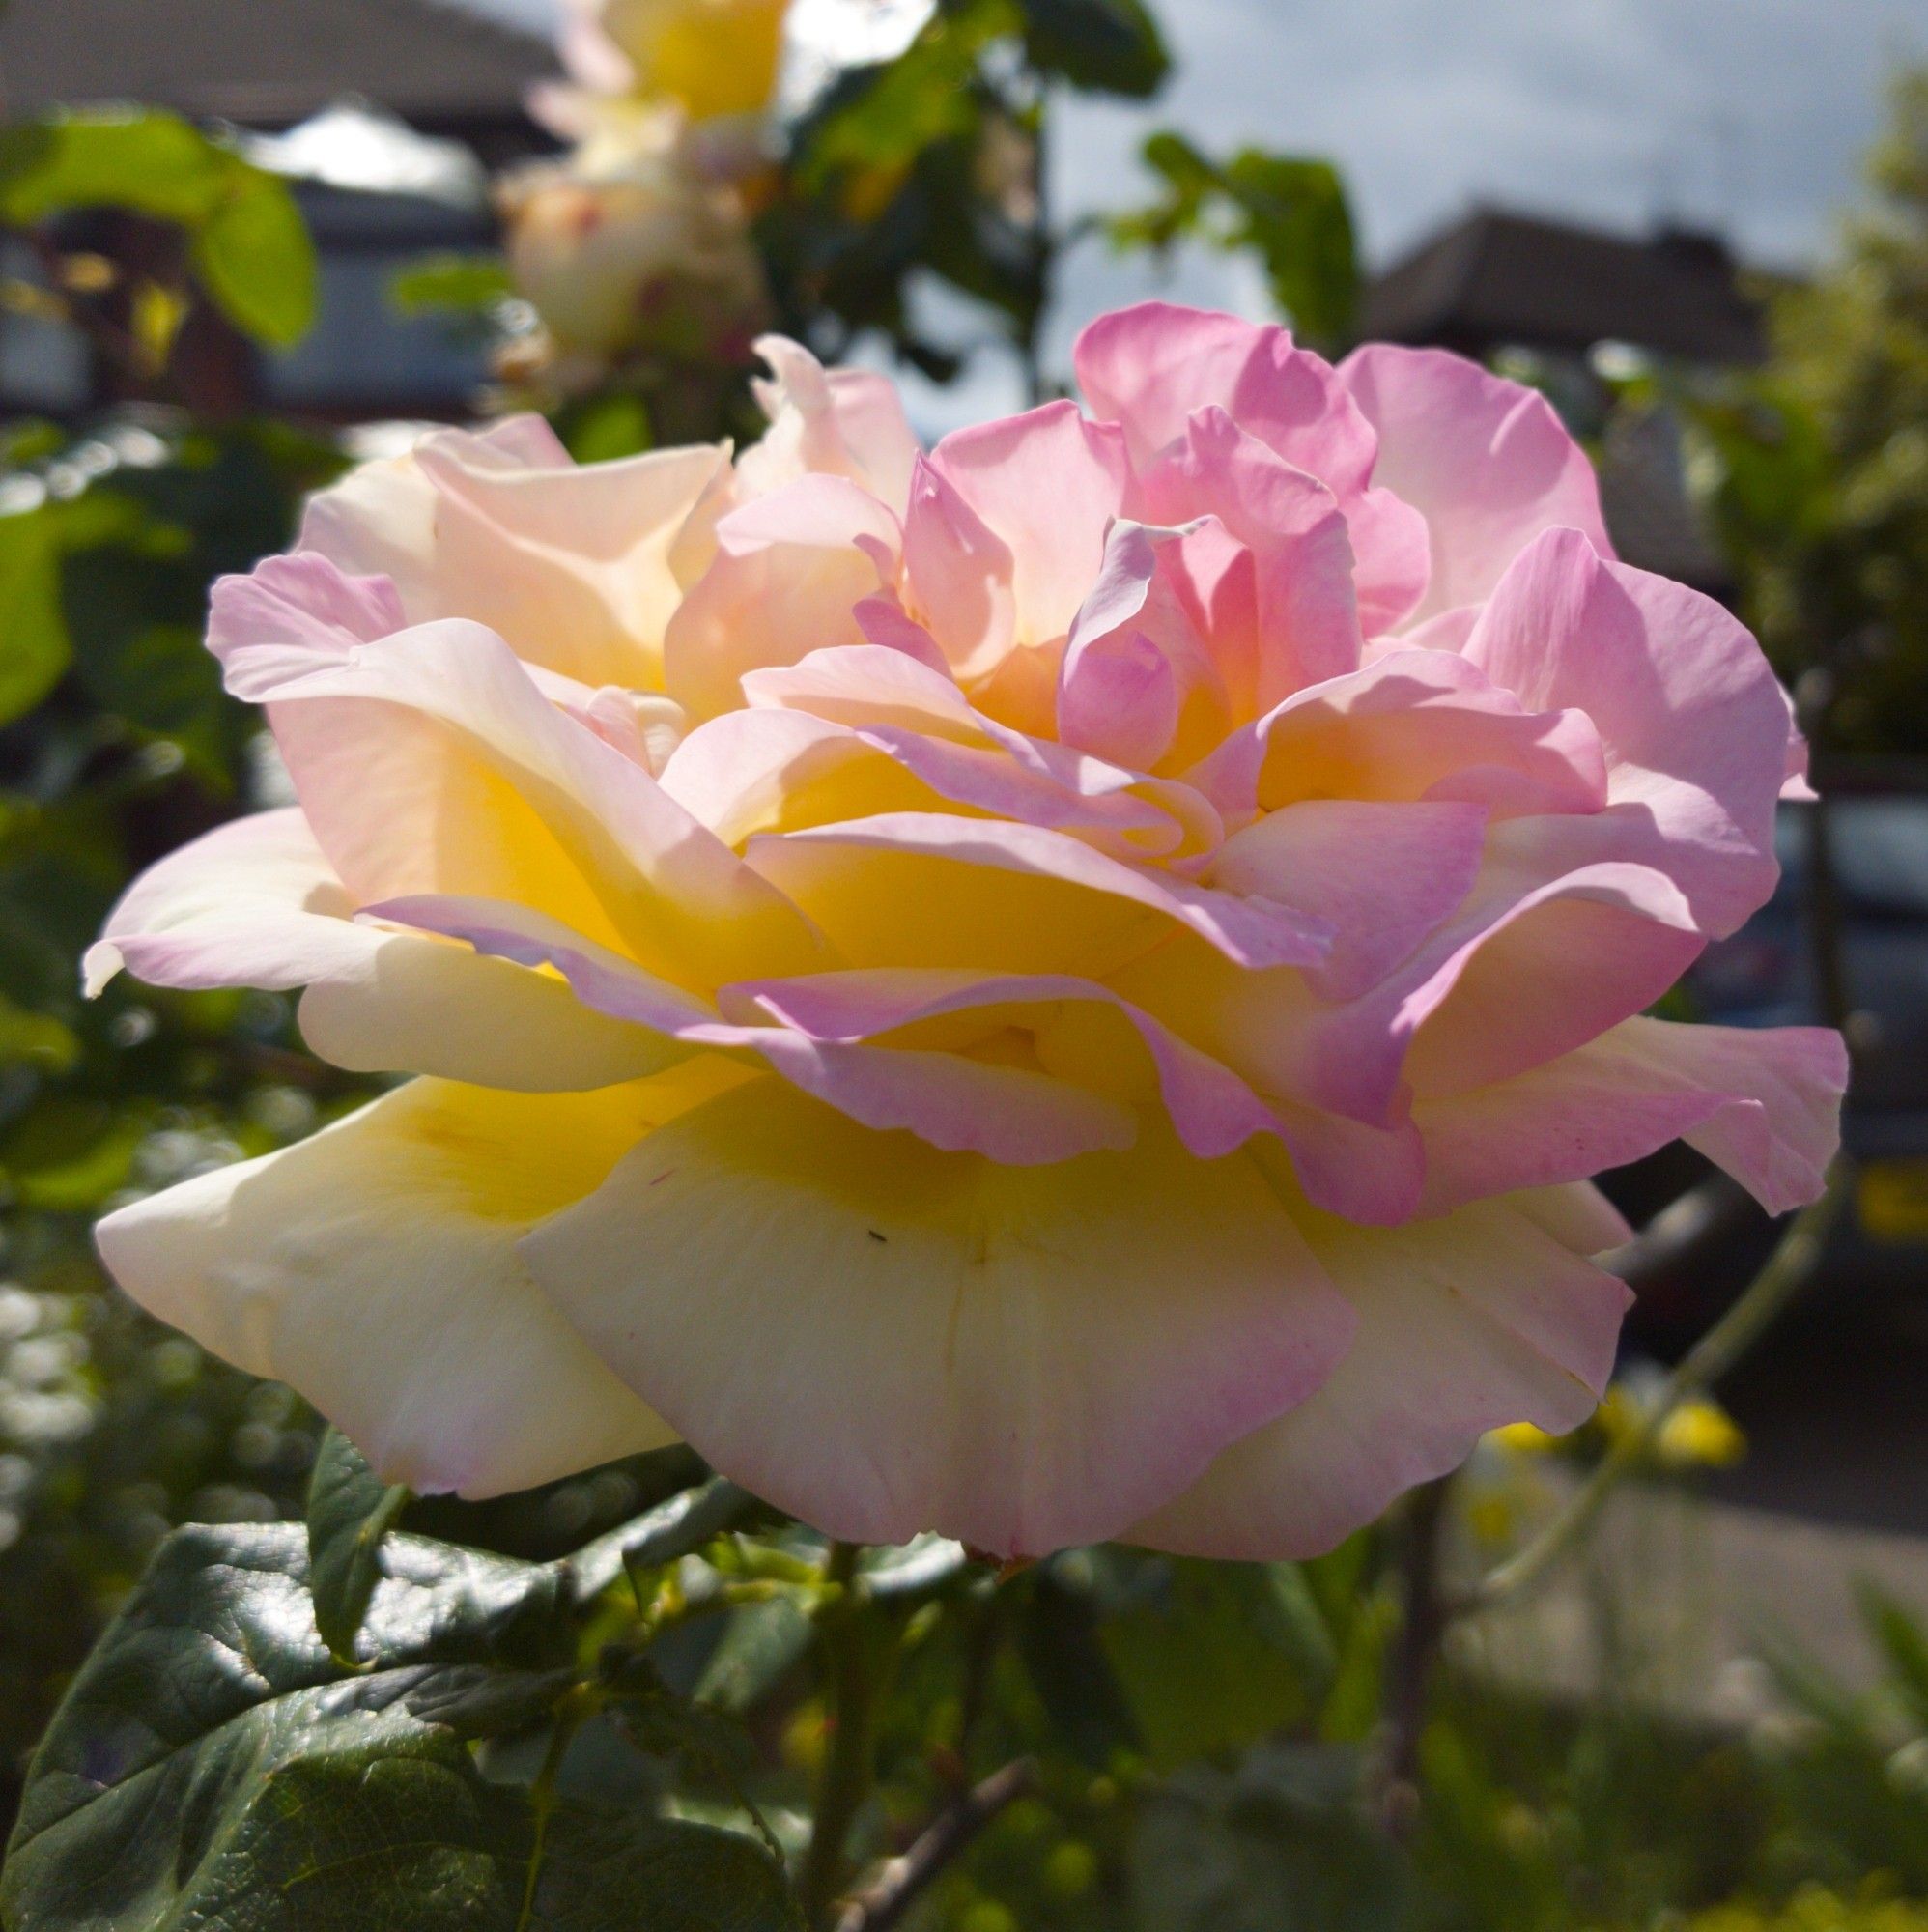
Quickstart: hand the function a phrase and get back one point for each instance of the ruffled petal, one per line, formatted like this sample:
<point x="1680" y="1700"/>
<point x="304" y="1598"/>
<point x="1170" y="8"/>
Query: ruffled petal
<point x="1465" y="1323"/>
<point x="927" y="888"/>
<point x="886" y="1340"/>
<point x="1411" y="724"/>
<point x="789" y="572"/>
<point x="1487" y="462"/>
<point x="1764" y="1105"/>
<point x="294" y="614"/>
<point x="374" y="1267"/>
<point x="570" y="563"/>
<point x="834" y="422"/>
<point x="254" y="903"/>
<point x="1695" y="723"/>
<point x="1020" y="1114"/>
<point x="432" y="763"/>
<point x="1047" y="484"/>
<point x="1307" y="617"/>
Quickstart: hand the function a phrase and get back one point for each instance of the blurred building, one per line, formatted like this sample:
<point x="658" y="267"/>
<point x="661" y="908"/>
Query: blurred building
<point x="386" y="115"/>
<point x="1581" y="312"/>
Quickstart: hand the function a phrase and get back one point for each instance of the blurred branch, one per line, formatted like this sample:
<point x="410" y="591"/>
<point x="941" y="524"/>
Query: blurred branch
<point x="1787" y="1272"/>
<point x="845" y="1782"/>
<point x="884" y="1903"/>
<point x="1424" y="1615"/>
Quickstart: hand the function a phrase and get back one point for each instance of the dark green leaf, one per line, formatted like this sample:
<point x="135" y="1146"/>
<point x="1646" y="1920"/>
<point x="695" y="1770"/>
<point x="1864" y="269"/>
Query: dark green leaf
<point x="1207" y="1668"/>
<point x="882" y="117"/>
<point x="606" y="1871"/>
<point x="1057" y="1640"/>
<point x="477" y="1702"/>
<point x="1110" y="46"/>
<point x="214" y="1765"/>
<point x="1284" y="1843"/>
<point x="672" y="1530"/>
<point x="1903" y="1640"/>
<point x="350" y="1510"/>
<point x="1296" y="216"/>
<point x="33" y="644"/>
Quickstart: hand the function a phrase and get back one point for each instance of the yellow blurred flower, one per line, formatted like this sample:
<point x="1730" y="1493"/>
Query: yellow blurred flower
<point x="1522" y="1438"/>
<point x="1700" y="1434"/>
<point x="711" y="57"/>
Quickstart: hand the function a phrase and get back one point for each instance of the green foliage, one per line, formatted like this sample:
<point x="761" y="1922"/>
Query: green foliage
<point x="247" y="242"/>
<point x="350" y="1510"/>
<point x="451" y="284"/>
<point x="1817" y="467"/>
<point x="304" y="1793"/>
<point x="1290" y="211"/>
<point x="37" y="650"/>
<point x="1110" y="46"/>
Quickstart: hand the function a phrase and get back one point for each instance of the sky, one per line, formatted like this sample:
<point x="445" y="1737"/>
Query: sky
<point x="1748" y="116"/>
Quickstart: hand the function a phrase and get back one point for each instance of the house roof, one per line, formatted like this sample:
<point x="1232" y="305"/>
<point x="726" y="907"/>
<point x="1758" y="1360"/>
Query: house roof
<point x="1501" y="279"/>
<point x="269" y="63"/>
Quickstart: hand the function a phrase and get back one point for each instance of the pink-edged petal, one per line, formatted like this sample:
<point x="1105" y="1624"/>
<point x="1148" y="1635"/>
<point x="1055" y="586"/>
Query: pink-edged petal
<point x="1488" y="463"/>
<point x="570" y="563"/>
<point x="869" y="684"/>
<point x="1080" y="1032"/>
<point x="379" y="520"/>
<point x="836" y="422"/>
<point x="1150" y="367"/>
<point x="1117" y="697"/>
<point x="254" y="903"/>
<point x="777" y="768"/>
<point x="1016" y="1115"/>
<point x="1088" y="1035"/>
<point x="885" y="623"/>
<point x="877" y="1336"/>
<point x="574" y="566"/>
<point x="789" y="572"/>
<point x="915" y="713"/>
<point x="374" y="1268"/>
<point x="959" y="574"/>
<point x="1048" y="484"/>
<point x="1411" y="724"/>
<point x="1764" y="1105"/>
<point x="292" y="615"/>
<point x="927" y="888"/>
<point x="1695" y="723"/>
<point x="1525" y="969"/>
<point x="1308" y="619"/>
<point x="1465" y="1323"/>
<point x="432" y="763"/>
<point x="1381" y="875"/>
<point x="251" y="903"/>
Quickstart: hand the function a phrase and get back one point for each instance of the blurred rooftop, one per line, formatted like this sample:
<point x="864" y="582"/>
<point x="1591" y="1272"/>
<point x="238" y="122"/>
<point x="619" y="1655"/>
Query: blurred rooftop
<point x="1498" y="278"/>
<point x="271" y="62"/>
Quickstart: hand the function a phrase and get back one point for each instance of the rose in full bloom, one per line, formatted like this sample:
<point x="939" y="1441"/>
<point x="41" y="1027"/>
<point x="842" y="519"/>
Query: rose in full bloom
<point x="1068" y="987"/>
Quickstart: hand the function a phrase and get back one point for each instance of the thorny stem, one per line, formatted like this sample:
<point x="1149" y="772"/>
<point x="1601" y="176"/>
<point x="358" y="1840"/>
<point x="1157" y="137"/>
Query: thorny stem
<point x="1786" y="1274"/>
<point x="845" y="1781"/>
<point x="884" y="1903"/>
